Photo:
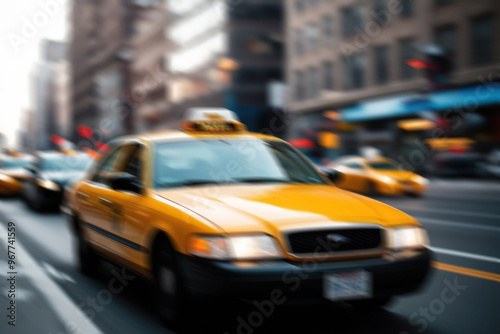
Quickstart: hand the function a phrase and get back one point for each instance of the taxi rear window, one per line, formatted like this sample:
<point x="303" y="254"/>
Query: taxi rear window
<point x="229" y="161"/>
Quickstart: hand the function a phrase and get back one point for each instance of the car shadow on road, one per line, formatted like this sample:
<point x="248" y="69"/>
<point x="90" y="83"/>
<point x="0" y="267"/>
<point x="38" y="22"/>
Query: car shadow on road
<point x="243" y="318"/>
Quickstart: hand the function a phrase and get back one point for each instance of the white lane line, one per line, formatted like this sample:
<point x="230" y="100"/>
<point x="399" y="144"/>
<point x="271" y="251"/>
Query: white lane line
<point x="465" y="254"/>
<point x="457" y="224"/>
<point x="453" y="212"/>
<point x="67" y="311"/>
<point x="59" y="275"/>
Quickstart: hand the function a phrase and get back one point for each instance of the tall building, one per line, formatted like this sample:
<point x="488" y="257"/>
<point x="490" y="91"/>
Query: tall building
<point x="115" y="45"/>
<point x="225" y="54"/>
<point x="358" y="68"/>
<point x="50" y="105"/>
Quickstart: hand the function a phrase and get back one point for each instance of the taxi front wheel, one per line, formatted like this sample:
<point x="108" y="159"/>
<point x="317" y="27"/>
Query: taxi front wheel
<point x="171" y="299"/>
<point x="89" y="260"/>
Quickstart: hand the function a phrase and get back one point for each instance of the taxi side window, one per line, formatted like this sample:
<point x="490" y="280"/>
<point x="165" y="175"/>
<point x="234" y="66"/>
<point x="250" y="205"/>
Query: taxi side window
<point x="106" y="168"/>
<point x="134" y="165"/>
<point x="354" y="165"/>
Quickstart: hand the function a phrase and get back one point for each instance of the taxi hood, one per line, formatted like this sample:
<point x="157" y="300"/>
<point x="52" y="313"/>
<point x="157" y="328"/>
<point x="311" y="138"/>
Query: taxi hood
<point x="269" y="208"/>
<point x="396" y="174"/>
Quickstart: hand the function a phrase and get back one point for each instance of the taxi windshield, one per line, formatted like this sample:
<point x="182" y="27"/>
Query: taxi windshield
<point x="64" y="163"/>
<point x="14" y="163"/>
<point x="218" y="161"/>
<point x="382" y="166"/>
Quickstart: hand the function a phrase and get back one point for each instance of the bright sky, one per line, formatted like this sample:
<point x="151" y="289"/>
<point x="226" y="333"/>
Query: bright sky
<point x="23" y="24"/>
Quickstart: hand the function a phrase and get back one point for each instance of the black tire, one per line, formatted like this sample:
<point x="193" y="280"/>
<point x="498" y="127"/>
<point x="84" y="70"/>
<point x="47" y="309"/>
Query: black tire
<point x="371" y="304"/>
<point x="171" y="299"/>
<point x="89" y="261"/>
<point x="371" y="189"/>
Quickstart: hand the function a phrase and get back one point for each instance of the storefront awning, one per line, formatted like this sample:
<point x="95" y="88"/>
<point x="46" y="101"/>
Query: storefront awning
<point x="410" y="104"/>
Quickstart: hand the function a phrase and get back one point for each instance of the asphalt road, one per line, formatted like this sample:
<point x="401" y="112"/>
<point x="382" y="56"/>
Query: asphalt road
<point x="461" y="296"/>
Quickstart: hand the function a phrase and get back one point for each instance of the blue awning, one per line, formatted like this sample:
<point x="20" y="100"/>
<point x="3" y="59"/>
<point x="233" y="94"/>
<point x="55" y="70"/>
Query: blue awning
<point x="411" y="104"/>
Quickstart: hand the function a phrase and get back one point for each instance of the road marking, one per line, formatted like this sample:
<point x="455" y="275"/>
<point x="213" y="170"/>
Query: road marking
<point x="67" y="311"/>
<point x="458" y="224"/>
<point x="56" y="273"/>
<point x="466" y="271"/>
<point x="452" y="212"/>
<point x="465" y="254"/>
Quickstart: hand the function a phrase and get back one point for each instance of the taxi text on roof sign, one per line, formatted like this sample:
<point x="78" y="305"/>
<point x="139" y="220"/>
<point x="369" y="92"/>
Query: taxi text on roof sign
<point x="212" y="120"/>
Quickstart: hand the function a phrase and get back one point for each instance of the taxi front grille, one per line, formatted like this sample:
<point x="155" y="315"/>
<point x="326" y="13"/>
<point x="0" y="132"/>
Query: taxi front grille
<point x="332" y="241"/>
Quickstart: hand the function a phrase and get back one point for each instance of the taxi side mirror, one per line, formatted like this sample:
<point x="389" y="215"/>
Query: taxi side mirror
<point x="31" y="169"/>
<point x="332" y="174"/>
<point x="126" y="182"/>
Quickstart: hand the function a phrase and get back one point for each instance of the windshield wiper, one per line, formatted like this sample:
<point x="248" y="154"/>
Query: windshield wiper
<point x="263" y="180"/>
<point x="195" y="183"/>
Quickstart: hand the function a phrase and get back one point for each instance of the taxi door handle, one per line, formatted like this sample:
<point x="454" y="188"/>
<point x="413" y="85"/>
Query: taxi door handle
<point x="104" y="201"/>
<point x="82" y="195"/>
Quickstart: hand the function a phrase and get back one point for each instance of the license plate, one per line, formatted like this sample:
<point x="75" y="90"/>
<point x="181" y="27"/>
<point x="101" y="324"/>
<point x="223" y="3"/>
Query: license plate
<point x="347" y="285"/>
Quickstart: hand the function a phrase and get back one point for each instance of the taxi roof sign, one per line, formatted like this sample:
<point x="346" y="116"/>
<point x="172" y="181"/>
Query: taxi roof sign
<point x="211" y="114"/>
<point x="212" y="120"/>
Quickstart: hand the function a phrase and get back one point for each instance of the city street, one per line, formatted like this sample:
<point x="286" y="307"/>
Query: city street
<point x="462" y="294"/>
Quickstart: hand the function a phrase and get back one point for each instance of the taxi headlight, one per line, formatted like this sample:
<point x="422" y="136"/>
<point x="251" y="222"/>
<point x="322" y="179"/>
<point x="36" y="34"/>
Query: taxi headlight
<point x="409" y="237"/>
<point x="387" y="179"/>
<point x="241" y="247"/>
<point x="421" y="180"/>
<point x="6" y="178"/>
<point x="47" y="184"/>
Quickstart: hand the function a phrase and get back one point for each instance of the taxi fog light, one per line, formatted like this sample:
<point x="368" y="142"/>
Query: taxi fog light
<point x="244" y="247"/>
<point x="47" y="184"/>
<point x="409" y="237"/>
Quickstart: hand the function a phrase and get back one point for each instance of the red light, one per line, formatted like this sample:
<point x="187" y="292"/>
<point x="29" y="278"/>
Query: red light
<point x="302" y="143"/>
<point x="57" y="140"/>
<point x="85" y="131"/>
<point x="418" y="64"/>
<point x="101" y="147"/>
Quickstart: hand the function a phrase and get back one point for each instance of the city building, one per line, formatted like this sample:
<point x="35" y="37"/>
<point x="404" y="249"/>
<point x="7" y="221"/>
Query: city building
<point x="227" y="54"/>
<point x="388" y="73"/>
<point x="117" y="47"/>
<point x="49" y="103"/>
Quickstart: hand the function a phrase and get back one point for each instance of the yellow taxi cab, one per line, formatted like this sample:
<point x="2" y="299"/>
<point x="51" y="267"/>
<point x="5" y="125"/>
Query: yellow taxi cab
<point x="13" y="173"/>
<point x="212" y="210"/>
<point x="378" y="176"/>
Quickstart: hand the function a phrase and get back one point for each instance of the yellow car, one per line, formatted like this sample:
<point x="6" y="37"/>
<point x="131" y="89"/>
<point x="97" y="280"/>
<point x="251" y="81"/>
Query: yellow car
<point x="12" y="174"/>
<point x="378" y="176"/>
<point x="214" y="211"/>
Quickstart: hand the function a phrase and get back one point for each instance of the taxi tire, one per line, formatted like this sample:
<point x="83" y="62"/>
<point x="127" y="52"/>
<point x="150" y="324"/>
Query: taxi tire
<point x="171" y="299"/>
<point x="88" y="259"/>
<point x="371" y="189"/>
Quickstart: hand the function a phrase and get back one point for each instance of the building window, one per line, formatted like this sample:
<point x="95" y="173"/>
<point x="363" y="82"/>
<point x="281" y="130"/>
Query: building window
<point x="352" y="20"/>
<point x="328" y="30"/>
<point x="299" y="42"/>
<point x="354" y="71"/>
<point x="406" y="7"/>
<point x="312" y="33"/>
<point x="328" y="76"/>
<point x="379" y="5"/>
<point x="446" y="38"/>
<point x="300" y="92"/>
<point x="407" y="51"/>
<point x="381" y="54"/>
<point x="299" y="5"/>
<point x="314" y="83"/>
<point x="482" y="31"/>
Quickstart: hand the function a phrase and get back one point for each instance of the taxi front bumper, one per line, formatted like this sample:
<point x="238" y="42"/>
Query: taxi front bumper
<point x="204" y="278"/>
